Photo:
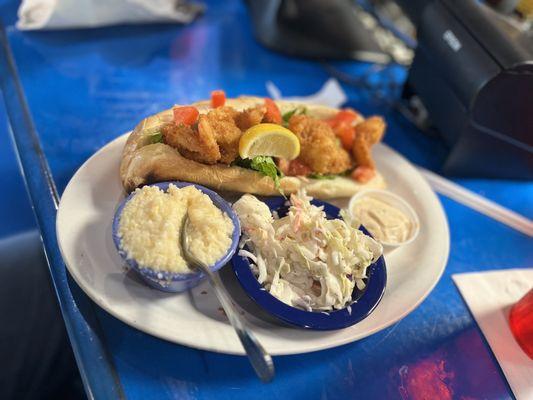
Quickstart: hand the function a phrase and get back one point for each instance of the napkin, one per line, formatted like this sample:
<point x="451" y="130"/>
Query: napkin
<point x="330" y="94"/>
<point x="490" y="295"/>
<point x="68" y="14"/>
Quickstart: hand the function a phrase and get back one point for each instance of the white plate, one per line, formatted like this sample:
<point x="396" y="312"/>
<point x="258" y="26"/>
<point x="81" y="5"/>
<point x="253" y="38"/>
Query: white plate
<point x="194" y="319"/>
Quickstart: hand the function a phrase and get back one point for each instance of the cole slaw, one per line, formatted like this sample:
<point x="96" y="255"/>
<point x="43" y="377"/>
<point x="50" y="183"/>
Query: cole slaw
<point x="302" y="258"/>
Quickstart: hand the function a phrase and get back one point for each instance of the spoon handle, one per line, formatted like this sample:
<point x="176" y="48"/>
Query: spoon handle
<point x="261" y="361"/>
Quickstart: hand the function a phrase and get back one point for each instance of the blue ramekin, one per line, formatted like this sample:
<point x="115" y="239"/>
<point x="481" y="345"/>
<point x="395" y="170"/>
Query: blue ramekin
<point x="364" y="304"/>
<point x="171" y="281"/>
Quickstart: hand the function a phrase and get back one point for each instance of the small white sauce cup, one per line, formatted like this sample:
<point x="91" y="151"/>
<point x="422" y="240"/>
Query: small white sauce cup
<point x="392" y="200"/>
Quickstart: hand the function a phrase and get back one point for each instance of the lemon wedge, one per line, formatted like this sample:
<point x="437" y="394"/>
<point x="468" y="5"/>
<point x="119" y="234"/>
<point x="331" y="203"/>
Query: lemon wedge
<point x="269" y="140"/>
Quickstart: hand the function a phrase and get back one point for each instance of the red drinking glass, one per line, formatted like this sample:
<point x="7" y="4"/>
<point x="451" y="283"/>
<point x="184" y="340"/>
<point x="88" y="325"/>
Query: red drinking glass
<point x="521" y="322"/>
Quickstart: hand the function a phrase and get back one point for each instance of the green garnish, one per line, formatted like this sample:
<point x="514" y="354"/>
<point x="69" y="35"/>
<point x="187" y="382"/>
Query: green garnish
<point x="320" y="176"/>
<point x="262" y="164"/>
<point x="297" y="111"/>
<point x="156" y="138"/>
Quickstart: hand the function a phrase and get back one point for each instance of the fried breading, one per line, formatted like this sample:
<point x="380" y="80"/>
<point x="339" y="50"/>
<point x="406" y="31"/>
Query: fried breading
<point x="214" y="139"/>
<point x="367" y="133"/>
<point x="319" y="147"/>
<point x="192" y="143"/>
<point x="250" y="117"/>
<point x="219" y="123"/>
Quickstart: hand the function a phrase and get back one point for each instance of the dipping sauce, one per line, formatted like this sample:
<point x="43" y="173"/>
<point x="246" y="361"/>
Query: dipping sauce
<point x="386" y="223"/>
<point x="150" y="228"/>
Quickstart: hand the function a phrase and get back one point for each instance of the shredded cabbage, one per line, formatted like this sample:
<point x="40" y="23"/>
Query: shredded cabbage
<point x="304" y="259"/>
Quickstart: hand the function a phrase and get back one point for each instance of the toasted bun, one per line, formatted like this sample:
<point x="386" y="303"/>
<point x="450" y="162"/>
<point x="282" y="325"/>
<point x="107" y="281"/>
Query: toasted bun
<point x="143" y="163"/>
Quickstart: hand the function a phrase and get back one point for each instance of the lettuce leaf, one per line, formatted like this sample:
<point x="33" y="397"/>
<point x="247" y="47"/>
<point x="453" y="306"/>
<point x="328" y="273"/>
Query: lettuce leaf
<point x="262" y="164"/>
<point x="297" y="111"/>
<point x="156" y="138"/>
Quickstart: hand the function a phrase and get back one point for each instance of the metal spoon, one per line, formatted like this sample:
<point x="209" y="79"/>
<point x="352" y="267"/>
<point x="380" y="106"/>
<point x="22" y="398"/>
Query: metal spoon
<point x="261" y="361"/>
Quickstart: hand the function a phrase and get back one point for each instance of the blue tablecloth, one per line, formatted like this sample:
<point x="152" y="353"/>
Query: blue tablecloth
<point x="86" y="87"/>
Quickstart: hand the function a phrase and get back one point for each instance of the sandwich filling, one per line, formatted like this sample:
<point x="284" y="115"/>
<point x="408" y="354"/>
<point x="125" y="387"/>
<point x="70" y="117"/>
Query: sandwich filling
<point x="328" y="147"/>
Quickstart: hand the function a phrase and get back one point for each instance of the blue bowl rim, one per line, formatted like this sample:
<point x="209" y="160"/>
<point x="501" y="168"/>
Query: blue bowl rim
<point x="317" y="320"/>
<point x="153" y="274"/>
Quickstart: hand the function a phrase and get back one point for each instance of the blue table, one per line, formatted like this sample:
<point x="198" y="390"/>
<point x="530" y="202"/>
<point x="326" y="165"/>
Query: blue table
<point x="69" y="93"/>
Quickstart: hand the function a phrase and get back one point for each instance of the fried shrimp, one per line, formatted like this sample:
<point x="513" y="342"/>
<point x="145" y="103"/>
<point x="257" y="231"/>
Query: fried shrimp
<point x="367" y="133"/>
<point x="214" y="139"/>
<point x="219" y="124"/>
<point x="250" y="117"/>
<point x="320" y="149"/>
<point x="193" y="144"/>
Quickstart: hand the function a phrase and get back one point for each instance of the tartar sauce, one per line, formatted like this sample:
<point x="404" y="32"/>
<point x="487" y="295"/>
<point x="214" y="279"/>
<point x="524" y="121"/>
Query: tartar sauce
<point x="385" y="222"/>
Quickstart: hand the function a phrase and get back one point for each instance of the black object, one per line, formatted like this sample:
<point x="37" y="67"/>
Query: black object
<point x="474" y="76"/>
<point x="315" y="28"/>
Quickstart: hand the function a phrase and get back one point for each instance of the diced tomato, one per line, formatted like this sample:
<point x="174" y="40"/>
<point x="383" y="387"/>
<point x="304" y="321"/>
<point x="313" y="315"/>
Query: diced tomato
<point x="363" y="174"/>
<point x="346" y="116"/>
<point x="186" y="115"/>
<point x="346" y="133"/>
<point x="343" y="126"/>
<point x="272" y="111"/>
<point x="297" y="167"/>
<point x="218" y="98"/>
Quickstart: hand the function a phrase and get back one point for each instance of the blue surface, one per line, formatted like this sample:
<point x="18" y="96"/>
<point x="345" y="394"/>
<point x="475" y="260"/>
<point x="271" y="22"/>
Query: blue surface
<point x="8" y="11"/>
<point x="84" y="88"/>
<point x="172" y="281"/>
<point x="363" y="302"/>
<point x="96" y="370"/>
<point x="15" y="198"/>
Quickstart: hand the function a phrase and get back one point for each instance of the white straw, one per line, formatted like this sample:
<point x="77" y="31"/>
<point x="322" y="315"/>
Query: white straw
<point x="478" y="203"/>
